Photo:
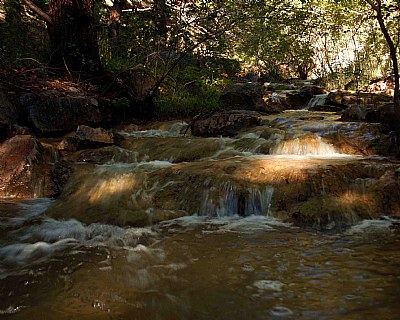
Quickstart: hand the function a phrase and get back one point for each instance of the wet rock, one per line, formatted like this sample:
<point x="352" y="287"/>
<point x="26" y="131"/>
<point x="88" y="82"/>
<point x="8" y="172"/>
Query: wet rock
<point x="225" y="124"/>
<point x="57" y="115"/>
<point x="247" y="96"/>
<point x="175" y="150"/>
<point x="315" y="192"/>
<point x="361" y="113"/>
<point x="85" y="137"/>
<point x="8" y="116"/>
<point x="94" y="136"/>
<point x="60" y="174"/>
<point x="23" y="169"/>
<point x="68" y="144"/>
<point x="301" y="98"/>
<point x="340" y="98"/>
<point x="327" y="108"/>
<point x="104" y="155"/>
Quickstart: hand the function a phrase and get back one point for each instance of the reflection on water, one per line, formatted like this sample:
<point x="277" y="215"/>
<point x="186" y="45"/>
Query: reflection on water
<point x="199" y="268"/>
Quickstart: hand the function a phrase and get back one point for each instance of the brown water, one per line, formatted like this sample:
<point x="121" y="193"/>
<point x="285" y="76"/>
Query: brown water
<point x="212" y="264"/>
<point x="197" y="268"/>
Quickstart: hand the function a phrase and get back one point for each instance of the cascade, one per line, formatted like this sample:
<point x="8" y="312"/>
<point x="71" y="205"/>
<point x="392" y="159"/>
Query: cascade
<point x="317" y="100"/>
<point x="228" y="200"/>
<point x="167" y="226"/>
<point x="310" y="144"/>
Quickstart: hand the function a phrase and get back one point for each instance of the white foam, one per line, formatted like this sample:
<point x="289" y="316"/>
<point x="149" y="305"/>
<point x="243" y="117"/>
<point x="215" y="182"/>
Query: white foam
<point x="20" y="253"/>
<point x="174" y="131"/>
<point x="280" y="311"/>
<point x="372" y="226"/>
<point x="271" y="285"/>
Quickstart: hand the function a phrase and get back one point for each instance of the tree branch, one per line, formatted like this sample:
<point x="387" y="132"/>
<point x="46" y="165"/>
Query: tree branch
<point x="373" y="5"/>
<point x="38" y="11"/>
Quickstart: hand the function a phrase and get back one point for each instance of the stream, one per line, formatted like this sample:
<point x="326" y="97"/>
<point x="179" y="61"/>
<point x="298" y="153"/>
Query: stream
<point x="220" y="245"/>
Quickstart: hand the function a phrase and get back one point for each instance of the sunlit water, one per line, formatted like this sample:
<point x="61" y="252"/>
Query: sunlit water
<point x="195" y="268"/>
<point x="212" y="266"/>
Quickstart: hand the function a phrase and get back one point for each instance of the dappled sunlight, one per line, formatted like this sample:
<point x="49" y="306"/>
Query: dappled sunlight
<point x="351" y="198"/>
<point x="310" y="144"/>
<point x="113" y="186"/>
<point x="287" y="169"/>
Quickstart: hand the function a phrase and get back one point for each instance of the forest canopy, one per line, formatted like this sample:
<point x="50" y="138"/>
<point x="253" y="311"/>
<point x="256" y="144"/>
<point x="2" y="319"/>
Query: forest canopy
<point x="336" y="42"/>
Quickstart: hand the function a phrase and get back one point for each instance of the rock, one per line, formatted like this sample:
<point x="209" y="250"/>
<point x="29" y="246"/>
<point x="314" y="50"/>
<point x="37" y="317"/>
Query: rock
<point x="356" y="113"/>
<point x="57" y="115"/>
<point x="23" y="168"/>
<point x="8" y="116"/>
<point x="326" y="108"/>
<point x="104" y="155"/>
<point x="339" y="98"/>
<point x="94" y="136"/>
<point x="389" y="118"/>
<point x="247" y="96"/>
<point x="225" y="124"/>
<point x="60" y="174"/>
<point x="300" y="99"/>
<point x="294" y="99"/>
<point x="85" y="137"/>
<point x="69" y="144"/>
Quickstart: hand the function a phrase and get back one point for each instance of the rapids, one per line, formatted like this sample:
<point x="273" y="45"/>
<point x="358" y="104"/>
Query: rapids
<point x="179" y="227"/>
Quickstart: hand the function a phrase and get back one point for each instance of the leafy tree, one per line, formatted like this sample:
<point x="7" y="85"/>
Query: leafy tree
<point x="383" y="11"/>
<point x="73" y="35"/>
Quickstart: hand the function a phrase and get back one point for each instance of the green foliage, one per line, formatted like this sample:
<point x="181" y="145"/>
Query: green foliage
<point x="23" y="39"/>
<point x="191" y="90"/>
<point x="122" y="102"/>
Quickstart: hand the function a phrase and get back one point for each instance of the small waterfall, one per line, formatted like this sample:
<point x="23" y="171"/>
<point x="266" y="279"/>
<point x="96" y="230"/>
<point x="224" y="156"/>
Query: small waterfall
<point x="230" y="201"/>
<point x="317" y="100"/>
<point x="307" y="145"/>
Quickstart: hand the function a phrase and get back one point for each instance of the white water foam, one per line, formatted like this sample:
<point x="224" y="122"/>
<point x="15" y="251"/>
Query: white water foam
<point x="272" y="285"/>
<point x="383" y="224"/>
<point x="174" y="131"/>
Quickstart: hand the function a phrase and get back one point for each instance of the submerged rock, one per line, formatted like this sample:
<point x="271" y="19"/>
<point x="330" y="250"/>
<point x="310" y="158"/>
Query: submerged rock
<point x="225" y="124"/>
<point x="310" y="191"/>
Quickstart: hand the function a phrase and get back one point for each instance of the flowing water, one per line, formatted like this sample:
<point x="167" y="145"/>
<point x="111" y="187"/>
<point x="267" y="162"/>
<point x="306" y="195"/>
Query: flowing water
<point x="232" y="258"/>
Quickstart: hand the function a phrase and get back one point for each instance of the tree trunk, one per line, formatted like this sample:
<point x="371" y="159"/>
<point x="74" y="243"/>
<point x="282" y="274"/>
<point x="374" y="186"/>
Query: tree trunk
<point x="160" y="20"/>
<point x="73" y="37"/>
<point x="377" y="7"/>
<point x="114" y="24"/>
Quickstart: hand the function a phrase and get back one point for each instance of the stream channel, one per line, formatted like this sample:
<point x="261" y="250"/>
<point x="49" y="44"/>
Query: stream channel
<point x="220" y="245"/>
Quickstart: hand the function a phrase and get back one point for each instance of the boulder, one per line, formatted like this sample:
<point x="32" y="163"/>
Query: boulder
<point x="225" y="124"/>
<point x="8" y="116"/>
<point x="24" y="172"/>
<point x="247" y="96"/>
<point x="94" y="135"/>
<point x="389" y="118"/>
<point x="85" y="137"/>
<point x="300" y="99"/>
<point x="57" y="115"/>
<point x="295" y="99"/>
<point x="361" y="113"/>
<point x="361" y="98"/>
